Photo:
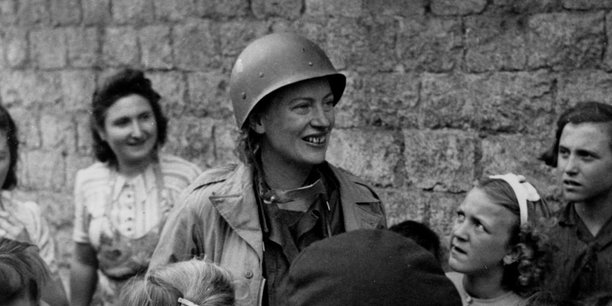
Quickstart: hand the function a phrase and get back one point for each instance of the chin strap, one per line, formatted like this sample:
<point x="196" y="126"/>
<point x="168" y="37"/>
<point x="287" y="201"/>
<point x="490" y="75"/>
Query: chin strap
<point x="523" y="190"/>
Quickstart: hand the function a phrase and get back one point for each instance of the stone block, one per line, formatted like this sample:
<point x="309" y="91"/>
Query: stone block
<point x="226" y="135"/>
<point x="583" y="85"/>
<point x="403" y="204"/>
<point x="519" y="154"/>
<point x="8" y="12"/>
<point x="174" y="10"/>
<point x="375" y="161"/>
<point x="429" y="44"/>
<point x="43" y="170"/>
<point x="49" y="50"/>
<point x="132" y="11"/>
<point x="342" y="38"/>
<point x="84" y="142"/>
<point x="440" y="160"/>
<point x="323" y="8"/>
<point x="30" y="89"/>
<point x="196" y="46"/>
<point x="222" y="8"/>
<point x="290" y="9"/>
<point x="173" y="89"/>
<point x="395" y="7"/>
<point x="586" y="4"/>
<point x="238" y="34"/>
<point x="57" y="132"/>
<point x="457" y="8"/>
<point x="96" y="11"/>
<point x="28" y="130"/>
<point x="32" y="12"/>
<point x="120" y="46"/>
<point x="504" y="101"/>
<point x="155" y="47"/>
<point x="16" y="47"/>
<point x="209" y="95"/>
<point x="64" y="12"/>
<point x="83" y="46"/>
<point x="388" y="100"/>
<point x="495" y="43"/>
<point x="77" y="89"/>
<point x="566" y="40"/>
<point x="193" y="139"/>
<point x="608" y="52"/>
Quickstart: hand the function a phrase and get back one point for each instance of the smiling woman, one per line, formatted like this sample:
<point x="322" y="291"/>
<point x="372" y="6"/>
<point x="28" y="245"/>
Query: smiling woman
<point x="122" y="200"/>
<point x="255" y="217"/>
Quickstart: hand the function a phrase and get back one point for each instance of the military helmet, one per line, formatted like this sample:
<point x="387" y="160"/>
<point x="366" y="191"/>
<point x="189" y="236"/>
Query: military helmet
<point x="274" y="61"/>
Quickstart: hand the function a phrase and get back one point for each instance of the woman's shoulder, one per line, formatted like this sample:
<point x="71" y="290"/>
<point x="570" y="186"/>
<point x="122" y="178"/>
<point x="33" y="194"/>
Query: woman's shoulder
<point x="176" y="166"/>
<point x="25" y="211"/>
<point x="96" y="174"/>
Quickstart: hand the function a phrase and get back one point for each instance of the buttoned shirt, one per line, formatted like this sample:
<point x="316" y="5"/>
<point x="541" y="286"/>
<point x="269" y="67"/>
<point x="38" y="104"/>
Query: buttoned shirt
<point x="582" y="262"/>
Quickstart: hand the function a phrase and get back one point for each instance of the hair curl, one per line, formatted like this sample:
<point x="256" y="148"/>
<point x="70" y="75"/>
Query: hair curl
<point x="531" y="241"/>
<point x="121" y="84"/>
<point x="22" y="271"/>
<point x="584" y="112"/>
<point x="198" y="281"/>
<point x="7" y="125"/>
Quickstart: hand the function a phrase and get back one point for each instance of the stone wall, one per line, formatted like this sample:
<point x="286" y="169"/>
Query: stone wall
<point x="439" y="92"/>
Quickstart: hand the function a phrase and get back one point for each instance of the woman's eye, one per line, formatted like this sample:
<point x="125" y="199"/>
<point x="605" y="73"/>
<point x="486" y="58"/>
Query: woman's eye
<point x="328" y="105"/>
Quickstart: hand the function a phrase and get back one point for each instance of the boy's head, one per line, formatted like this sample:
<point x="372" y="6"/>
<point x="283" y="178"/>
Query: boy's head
<point x="421" y="234"/>
<point x="22" y="273"/>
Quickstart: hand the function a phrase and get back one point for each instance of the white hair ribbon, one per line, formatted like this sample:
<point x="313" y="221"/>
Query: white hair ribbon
<point x="186" y="302"/>
<point x="523" y="190"/>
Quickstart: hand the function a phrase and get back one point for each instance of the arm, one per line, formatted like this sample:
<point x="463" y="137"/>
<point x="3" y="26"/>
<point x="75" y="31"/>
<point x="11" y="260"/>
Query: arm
<point x="83" y="274"/>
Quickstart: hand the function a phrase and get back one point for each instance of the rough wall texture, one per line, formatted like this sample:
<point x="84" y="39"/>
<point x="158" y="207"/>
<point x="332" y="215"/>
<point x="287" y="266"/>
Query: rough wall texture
<point x="439" y="92"/>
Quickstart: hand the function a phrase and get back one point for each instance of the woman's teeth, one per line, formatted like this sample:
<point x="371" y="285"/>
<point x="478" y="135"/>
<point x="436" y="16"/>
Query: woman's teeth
<point x="315" y="140"/>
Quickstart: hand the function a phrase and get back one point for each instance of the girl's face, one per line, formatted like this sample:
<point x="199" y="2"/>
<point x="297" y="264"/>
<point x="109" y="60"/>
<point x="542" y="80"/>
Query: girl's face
<point x="130" y="129"/>
<point x="5" y="157"/>
<point x="480" y="236"/>
<point x="297" y="124"/>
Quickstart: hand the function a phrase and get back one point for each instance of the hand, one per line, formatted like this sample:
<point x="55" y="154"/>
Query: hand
<point x="11" y="228"/>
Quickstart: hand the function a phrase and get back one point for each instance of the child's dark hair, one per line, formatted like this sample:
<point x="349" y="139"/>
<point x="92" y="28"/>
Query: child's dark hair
<point x="421" y="234"/>
<point x="22" y="272"/>
<point x="584" y="112"/>
<point x="7" y="125"/>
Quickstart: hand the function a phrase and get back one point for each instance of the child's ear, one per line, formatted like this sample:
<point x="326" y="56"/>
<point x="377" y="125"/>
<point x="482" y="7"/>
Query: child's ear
<point x="512" y="256"/>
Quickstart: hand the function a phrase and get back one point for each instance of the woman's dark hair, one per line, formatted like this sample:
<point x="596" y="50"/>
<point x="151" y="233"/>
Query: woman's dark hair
<point x="530" y="240"/>
<point x="22" y="271"/>
<point x="7" y="125"/>
<point x="121" y="84"/>
<point x="583" y="112"/>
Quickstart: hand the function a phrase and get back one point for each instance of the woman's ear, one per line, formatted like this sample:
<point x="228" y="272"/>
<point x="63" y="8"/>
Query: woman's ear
<point x="256" y="124"/>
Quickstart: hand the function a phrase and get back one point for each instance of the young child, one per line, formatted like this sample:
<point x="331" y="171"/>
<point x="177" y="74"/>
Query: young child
<point x="186" y="283"/>
<point x="499" y="250"/>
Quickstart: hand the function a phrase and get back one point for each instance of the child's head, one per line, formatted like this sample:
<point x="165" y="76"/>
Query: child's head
<point x="22" y="273"/>
<point x="195" y="281"/>
<point x="421" y="234"/>
<point x="499" y="229"/>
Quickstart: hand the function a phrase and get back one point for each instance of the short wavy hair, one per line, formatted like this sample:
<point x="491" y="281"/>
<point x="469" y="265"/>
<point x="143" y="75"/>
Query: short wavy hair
<point x="7" y="125"/>
<point x="121" y="84"/>
<point x="526" y="275"/>
<point x="22" y="271"/>
<point x="584" y="112"/>
<point x="201" y="282"/>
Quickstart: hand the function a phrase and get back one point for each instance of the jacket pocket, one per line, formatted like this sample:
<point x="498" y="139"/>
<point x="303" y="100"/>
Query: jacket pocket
<point x="370" y="215"/>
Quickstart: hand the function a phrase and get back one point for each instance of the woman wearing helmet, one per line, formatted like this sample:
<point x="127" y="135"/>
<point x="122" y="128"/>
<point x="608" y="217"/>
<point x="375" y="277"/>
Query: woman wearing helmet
<point x="255" y="217"/>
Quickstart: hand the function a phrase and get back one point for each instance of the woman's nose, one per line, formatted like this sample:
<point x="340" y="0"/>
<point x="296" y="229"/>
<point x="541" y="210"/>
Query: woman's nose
<point x="136" y="129"/>
<point x="322" y="117"/>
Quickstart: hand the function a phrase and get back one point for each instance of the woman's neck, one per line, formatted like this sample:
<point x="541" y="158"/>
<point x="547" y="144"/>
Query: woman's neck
<point x="283" y="175"/>
<point x="132" y="169"/>
<point x="484" y="286"/>
<point x="595" y="212"/>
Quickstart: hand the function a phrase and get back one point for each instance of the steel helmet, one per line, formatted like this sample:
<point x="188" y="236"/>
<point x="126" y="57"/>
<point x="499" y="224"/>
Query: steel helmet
<point x="274" y="61"/>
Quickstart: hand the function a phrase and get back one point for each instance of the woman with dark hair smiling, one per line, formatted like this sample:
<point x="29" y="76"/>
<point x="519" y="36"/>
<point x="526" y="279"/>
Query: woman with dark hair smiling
<point x="122" y="201"/>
